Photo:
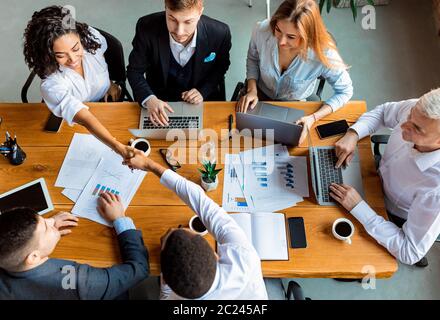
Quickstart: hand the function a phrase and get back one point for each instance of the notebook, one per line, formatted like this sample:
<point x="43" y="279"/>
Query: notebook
<point x="267" y="233"/>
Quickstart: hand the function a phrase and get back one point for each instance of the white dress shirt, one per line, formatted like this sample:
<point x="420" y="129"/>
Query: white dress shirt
<point x="181" y="53"/>
<point x="411" y="184"/>
<point x="238" y="274"/>
<point x="299" y="80"/>
<point x="64" y="91"/>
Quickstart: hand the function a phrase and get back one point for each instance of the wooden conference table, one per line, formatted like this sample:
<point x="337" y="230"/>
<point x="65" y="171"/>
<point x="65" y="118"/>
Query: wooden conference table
<point x="154" y="209"/>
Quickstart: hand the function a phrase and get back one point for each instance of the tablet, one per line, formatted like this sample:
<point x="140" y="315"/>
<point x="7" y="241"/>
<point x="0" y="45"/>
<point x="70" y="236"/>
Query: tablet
<point x="33" y="195"/>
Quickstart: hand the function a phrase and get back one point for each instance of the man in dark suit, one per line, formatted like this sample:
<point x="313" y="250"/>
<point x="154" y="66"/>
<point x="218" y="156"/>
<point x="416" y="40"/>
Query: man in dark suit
<point x="178" y="54"/>
<point x="27" y="272"/>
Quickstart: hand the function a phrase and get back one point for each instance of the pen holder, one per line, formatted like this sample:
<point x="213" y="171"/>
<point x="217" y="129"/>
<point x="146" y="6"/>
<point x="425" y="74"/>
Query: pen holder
<point x="12" y="151"/>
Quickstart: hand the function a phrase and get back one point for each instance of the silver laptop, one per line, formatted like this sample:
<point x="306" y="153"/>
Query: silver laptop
<point x="269" y="116"/>
<point x="186" y="116"/>
<point x="324" y="173"/>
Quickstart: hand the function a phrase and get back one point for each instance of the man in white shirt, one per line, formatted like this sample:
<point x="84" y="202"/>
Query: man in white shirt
<point x="190" y="267"/>
<point x="410" y="173"/>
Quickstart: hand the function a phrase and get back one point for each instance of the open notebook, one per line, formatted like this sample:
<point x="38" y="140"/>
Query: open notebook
<point x="267" y="232"/>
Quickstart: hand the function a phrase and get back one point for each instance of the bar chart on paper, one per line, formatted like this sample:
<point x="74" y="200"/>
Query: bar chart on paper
<point x="112" y="177"/>
<point x="287" y="173"/>
<point x="233" y="197"/>
<point x="260" y="171"/>
<point x="102" y="188"/>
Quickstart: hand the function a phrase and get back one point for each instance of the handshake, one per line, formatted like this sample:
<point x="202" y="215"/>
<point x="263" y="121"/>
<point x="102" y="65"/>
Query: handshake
<point x="136" y="155"/>
<point x="135" y="159"/>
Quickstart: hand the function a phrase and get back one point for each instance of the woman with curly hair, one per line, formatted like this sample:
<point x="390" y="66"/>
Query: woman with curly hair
<point x="68" y="56"/>
<point x="286" y="56"/>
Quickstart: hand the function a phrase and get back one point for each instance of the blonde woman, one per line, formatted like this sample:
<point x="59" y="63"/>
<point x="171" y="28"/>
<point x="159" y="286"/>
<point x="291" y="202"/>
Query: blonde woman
<point x="287" y="55"/>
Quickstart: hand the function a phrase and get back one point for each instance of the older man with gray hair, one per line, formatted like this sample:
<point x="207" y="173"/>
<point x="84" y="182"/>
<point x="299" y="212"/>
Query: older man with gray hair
<point x="410" y="172"/>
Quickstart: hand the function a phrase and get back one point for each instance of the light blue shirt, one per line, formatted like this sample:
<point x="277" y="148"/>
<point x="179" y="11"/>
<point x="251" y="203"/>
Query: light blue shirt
<point x="299" y="80"/>
<point x="123" y="224"/>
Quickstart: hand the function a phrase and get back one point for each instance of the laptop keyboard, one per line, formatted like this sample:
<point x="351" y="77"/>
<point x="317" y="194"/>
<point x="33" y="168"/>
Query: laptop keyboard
<point x="175" y="122"/>
<point x="328" y="173"/>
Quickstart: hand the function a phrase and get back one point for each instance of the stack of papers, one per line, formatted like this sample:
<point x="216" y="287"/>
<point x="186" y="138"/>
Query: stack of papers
<point x="91" y="168"/>
<point x="265" y="179"/>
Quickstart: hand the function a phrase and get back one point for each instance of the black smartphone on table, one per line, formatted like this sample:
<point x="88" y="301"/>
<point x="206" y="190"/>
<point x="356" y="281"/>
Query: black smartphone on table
<point x="297" y="232"/>
<point x="332" y="129"/>
<point x="53" y="123"/>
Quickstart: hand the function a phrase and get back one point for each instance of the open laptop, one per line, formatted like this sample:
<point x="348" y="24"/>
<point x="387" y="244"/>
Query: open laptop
<point x="268" y="116"/>
<point x="324" y="173"/>
<point x="186" y="116"/>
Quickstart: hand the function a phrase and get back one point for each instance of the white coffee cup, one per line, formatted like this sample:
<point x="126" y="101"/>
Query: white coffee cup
<point x="344" y="232"/>
<point x="202" y="233"/>
<point x="141" y="144"/>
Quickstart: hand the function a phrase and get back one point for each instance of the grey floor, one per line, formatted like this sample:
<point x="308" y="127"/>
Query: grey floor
<point x="398" y="60"/>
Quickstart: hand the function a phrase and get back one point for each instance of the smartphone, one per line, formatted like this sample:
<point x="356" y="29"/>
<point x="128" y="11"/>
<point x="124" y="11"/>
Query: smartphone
<point x="332" y="129"/>
<point x="53" y="123"/>
<point x="297" y="232"/>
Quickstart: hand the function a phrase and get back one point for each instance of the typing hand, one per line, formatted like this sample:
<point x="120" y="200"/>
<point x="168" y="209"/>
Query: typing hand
<point x="250" y="99"/>
<point x="307" y="122"/>
<point x="192" y="96"/>
<point x="156" y="111"/>
<point x="110" y="206"/>
<point x="346" y="195"/>
<point x="345" y="148"/>
<point x="64" y="220"/>
<point x="137" y="161"/>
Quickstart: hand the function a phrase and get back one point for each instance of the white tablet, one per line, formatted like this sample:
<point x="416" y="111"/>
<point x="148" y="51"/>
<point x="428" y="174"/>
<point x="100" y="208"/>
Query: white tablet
<point x="32" y="195"/>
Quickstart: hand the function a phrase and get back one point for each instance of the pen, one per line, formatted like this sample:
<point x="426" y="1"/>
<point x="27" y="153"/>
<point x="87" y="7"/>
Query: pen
<point x="230" y="121"/>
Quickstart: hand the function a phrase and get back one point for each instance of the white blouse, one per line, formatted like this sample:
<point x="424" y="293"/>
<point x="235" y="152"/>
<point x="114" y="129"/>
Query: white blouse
<point x="64" y="91"/>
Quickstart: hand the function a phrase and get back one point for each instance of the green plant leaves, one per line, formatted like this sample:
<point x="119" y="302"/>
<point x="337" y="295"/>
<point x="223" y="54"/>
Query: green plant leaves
<point x="354" y="9"/>
<point x="210" y="172"/>
<point x="321" y="5"/>
<point x="335" y="3"/>
<point x="329" y="5"/>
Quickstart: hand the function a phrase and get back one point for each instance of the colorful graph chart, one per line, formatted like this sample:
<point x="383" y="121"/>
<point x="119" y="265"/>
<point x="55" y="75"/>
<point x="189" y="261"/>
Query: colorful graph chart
<point x="287" y="172"/>
<point x="101" y="188"/>
<point x="260" y="170"/>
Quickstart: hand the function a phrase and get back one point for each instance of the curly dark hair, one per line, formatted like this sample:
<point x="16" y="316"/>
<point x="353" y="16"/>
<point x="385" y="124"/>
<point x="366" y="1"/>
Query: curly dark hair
<point x="41" y="32"/>
<point x="188" y="264"/>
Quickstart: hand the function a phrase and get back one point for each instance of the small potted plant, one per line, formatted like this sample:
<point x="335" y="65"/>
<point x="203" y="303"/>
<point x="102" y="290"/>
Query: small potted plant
<point x="209" y="176"/>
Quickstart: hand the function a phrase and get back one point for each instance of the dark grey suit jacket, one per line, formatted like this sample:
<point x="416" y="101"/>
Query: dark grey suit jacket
<point x="149" y="60"/>
<point x="67" y="280"/>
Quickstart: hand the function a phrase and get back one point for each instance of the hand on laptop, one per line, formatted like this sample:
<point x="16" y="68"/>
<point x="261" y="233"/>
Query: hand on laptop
<point x="110" y="206"/>
<point x="156" y="111"/>
<point x="192" y="96"/>
<point x="249" y="100"/>
<point x="64" y="220"/>
<point x="346" y="195"/>
<point x="345" y="148"/>
<point x="306" y="122"/>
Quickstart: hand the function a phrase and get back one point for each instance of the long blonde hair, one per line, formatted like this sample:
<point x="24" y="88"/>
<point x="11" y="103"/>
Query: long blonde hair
<point x="304" y="14"/>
